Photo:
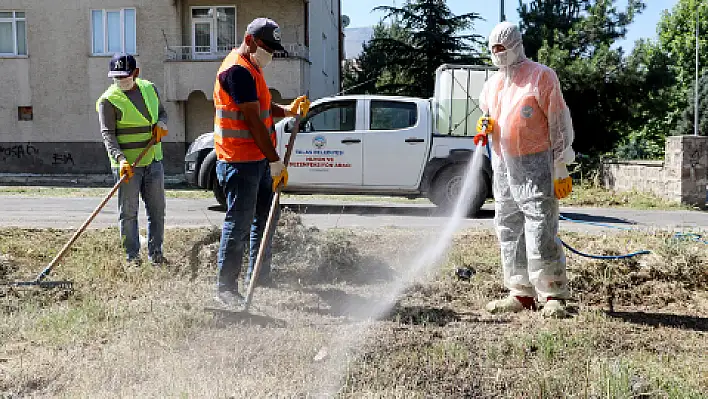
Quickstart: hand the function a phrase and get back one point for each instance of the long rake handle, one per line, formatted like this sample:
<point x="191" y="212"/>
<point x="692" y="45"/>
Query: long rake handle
<point x="88" y="221"/>
<point x="269" y="230"/>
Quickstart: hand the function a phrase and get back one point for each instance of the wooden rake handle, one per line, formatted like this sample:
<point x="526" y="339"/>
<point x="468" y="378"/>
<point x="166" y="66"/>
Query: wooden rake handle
<point x="93" y="215"/>
<point x="269" y="230"/>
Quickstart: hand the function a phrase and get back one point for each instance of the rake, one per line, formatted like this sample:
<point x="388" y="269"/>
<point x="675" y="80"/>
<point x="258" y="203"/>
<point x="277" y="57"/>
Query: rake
<point x="269" y="228"/>
<point x="40" y="281"/>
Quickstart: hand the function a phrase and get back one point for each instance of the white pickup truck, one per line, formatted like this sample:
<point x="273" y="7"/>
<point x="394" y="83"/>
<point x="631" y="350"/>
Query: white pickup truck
<point x="377" y="145"/>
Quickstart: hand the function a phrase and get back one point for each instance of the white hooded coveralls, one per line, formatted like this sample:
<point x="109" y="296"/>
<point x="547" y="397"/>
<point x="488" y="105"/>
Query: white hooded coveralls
<point x="532" y="132"/>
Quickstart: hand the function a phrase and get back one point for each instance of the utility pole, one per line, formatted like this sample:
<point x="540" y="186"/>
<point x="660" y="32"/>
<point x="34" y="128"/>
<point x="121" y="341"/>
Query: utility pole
<point x="502" y="17"/>
<point x="695" y="121"/>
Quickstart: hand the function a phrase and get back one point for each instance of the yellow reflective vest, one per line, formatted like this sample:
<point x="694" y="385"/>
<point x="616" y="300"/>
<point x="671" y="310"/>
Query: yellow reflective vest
<point x="133" y="131"/>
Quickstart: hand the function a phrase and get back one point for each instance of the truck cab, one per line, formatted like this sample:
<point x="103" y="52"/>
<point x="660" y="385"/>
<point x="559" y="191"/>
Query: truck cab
<point x="372" y="145"/>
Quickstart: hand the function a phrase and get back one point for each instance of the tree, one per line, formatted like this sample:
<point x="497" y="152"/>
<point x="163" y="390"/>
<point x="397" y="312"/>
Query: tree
<point x="677" y="37"/>
<point x="577" y="26"/>
<point x="687" y="122"/>
<point x="609" y="95"/>
<point x="403" y="55"/>
<point x="372" y="73"/>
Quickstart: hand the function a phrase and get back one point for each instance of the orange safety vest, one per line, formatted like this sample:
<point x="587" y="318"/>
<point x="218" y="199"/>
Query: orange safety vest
<point x="232" y="138"/>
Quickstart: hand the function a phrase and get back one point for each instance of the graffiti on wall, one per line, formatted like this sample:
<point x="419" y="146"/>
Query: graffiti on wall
<point x="18" y="151"/>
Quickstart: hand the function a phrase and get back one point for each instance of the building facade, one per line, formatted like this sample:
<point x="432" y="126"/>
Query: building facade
<point x="54" y="57"/>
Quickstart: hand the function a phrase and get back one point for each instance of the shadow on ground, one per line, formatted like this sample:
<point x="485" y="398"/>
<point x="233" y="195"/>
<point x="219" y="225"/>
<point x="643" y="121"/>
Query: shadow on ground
<point x="584" y="217"/>
<point x="370" y="210"/>
<point x="663" y="320"/>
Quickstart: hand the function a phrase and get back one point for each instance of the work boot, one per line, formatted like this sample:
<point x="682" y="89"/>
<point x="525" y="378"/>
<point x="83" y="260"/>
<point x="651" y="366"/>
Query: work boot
<point x="159" y="260"/>
<point x="231" y="299"/>
<point x="134" y="262"/>
<point x="555" y="309"/>
<point x="511" y="304"/>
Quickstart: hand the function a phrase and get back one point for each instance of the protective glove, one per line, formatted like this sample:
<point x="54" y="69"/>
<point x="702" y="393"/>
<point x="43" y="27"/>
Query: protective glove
<point x="159" y="131"/>
<point x="279" y="173"/>
<point x="300" y="105"/>
<point x="125" y="170"/>
<point x="562" y="183"/>
<point x="485" y="125"/>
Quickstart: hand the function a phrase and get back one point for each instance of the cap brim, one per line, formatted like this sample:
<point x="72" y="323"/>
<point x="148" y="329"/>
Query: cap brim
<point x="275" y="46"/>
<point x="118" y="74"/>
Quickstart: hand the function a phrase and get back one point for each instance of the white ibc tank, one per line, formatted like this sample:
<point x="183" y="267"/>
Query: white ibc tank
<point x="456" y="98"/>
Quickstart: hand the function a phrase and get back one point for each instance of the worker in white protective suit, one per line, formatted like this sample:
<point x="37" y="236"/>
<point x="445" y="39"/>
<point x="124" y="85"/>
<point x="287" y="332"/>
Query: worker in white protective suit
<point x="531" y="136"/>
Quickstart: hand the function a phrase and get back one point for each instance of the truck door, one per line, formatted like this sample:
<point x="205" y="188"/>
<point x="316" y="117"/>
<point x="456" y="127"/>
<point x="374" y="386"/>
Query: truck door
<point x="328" y="148"/>
<point x="396" y="143"/>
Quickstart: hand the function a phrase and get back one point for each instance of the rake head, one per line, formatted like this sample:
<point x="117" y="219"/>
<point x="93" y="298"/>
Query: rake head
<point x="62" y="285"/>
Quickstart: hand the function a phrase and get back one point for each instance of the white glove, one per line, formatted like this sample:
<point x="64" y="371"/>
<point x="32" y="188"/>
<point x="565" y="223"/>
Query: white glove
<point x="276" y="168"/>
<point x="162" y="125"/>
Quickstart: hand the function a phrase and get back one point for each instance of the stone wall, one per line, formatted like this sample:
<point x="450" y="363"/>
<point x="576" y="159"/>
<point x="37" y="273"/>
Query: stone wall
<point x="681" y="177"/>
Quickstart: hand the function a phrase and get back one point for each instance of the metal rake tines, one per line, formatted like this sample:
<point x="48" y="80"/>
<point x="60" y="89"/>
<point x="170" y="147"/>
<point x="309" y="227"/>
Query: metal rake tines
<point x="64" y="285"/>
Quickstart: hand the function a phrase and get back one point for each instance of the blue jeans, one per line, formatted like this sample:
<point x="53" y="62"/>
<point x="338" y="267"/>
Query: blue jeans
<point x="148" y="182"/>
<point x="248" y="188"/>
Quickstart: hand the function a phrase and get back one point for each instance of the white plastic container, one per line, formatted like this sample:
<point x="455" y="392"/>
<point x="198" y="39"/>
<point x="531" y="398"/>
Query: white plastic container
<point x="456" y="99"/>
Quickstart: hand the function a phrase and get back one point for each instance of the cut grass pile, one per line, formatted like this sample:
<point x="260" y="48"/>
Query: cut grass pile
<point x="146" y="331"/>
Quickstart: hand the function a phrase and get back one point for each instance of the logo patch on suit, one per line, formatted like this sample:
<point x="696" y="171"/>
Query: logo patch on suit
<point x="527" y="111"/>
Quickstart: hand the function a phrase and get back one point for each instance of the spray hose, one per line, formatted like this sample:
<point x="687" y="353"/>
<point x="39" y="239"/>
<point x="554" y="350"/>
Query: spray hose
<point x="677" y="236"/>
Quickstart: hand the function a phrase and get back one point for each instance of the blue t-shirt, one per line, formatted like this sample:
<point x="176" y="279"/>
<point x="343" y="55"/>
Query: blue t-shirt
<point x="238" y="82"/>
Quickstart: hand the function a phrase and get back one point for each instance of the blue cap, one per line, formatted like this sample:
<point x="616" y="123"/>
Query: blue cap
<point x="266" y="30"/>
<point x="122" y="65"/>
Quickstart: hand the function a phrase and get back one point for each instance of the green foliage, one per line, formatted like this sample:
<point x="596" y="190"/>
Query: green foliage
<point x="612" y="97"/>
<point x="403" y="55"/>
<point x="677" y="38"/>
<point x="687" y="122"/>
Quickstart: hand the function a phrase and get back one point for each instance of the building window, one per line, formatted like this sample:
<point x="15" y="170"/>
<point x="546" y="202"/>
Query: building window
<point x="213" y="31"/>
<point x="24" y="113"/>
<point x="113" y="31"/>
<point x="13" y="33"/>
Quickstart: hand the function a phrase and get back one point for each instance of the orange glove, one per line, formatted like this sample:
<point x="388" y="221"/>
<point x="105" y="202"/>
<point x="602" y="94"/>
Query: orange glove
<point x="279" y="173"/>
<point x="159" y="131"/>
<point x="300" y="105"/>
<point x="562" y="183"/>
<point x="485" y="125"/>
<point x="126" y="170"/>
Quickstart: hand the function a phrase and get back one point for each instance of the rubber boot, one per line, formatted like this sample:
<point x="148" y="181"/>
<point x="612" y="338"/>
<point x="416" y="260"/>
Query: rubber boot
<point x="555" y="309"/>
<point x="511" y="304"/>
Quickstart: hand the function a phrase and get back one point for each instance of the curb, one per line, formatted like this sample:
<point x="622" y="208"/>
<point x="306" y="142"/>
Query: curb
<point x="87" y="180"/>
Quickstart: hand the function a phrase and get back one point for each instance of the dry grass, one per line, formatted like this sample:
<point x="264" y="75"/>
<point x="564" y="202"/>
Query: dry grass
<point x="155" y="332"/>
<point x="594" y="196"/>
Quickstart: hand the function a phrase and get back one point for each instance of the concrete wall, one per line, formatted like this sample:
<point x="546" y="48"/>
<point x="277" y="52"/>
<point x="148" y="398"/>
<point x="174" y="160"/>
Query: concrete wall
<point x="324" y="18"/>
<point x="681" y="177"/>
<point x="200" y="115"/>
<point x="185" y="77"/>
<point x="61" y="79"/>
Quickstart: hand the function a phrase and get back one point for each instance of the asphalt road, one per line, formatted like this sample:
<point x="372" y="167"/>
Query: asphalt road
<point x="64" y="212"/>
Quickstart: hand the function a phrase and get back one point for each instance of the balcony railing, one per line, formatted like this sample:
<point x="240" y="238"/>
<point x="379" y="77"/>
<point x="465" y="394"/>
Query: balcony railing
<point x="197" y="53"/>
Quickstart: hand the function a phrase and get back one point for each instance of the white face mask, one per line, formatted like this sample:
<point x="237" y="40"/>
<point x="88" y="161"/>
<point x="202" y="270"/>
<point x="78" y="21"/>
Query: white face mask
<point x="124" y="84"/>
<point x="262" y="57"/>
<point x="502" y="59"/>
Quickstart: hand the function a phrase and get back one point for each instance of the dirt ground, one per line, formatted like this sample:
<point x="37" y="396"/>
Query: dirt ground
<point x="639" y="329"/>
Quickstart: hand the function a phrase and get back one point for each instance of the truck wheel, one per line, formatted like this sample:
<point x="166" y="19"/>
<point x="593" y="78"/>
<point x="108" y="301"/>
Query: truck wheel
<point x="447" y="186"/>
<point x="218" y="191"/>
